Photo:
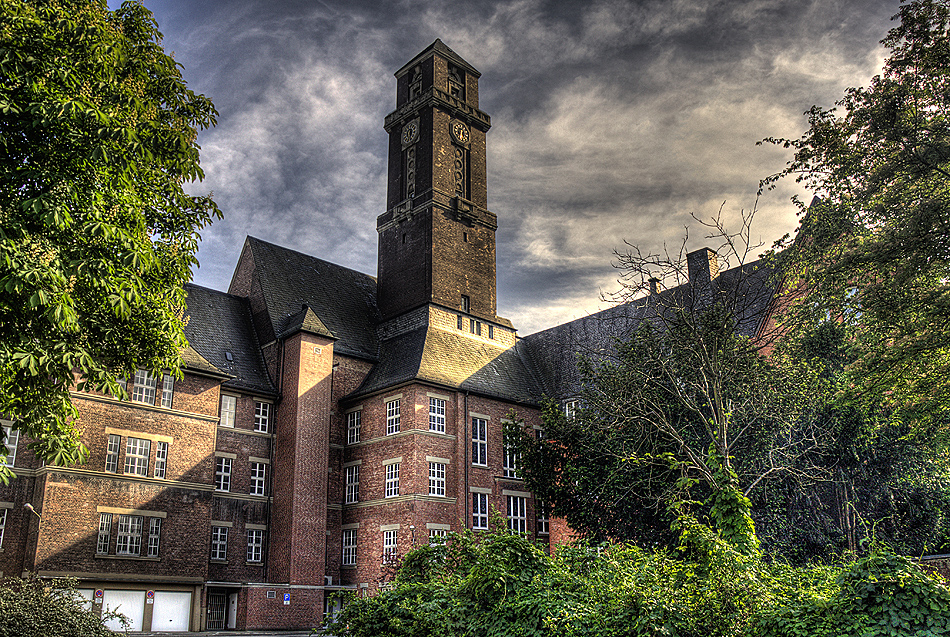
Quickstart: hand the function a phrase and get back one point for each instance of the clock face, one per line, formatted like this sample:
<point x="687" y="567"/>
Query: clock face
<point x="409" y="132"/>
<point x="460" y="131"/>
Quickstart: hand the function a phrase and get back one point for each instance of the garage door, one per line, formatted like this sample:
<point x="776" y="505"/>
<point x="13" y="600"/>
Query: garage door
<point x="171" y="611"/>
<point x="129" y="603"/>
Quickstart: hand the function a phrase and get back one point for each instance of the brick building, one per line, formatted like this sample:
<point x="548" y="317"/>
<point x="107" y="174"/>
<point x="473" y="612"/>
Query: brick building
<point x="327" y="420"/>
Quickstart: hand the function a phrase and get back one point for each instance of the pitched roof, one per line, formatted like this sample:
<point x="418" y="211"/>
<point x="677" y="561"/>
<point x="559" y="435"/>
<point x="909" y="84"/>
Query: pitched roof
<point x="341" y="303"/>
<point x="219" y="324"/>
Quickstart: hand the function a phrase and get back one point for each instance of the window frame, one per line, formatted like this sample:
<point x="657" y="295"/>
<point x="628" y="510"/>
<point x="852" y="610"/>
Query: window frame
<point x="437" y="473"/>
<point x="437" y="415"/>
<point x="511" y="459"/>
<point x="154" y="537"/>
<point x="144" y="386"/>
<point x="227" y="411"/>
<point x="138" y="452"/>
<point x="390" y="545"/>
<point x="168" y="391"/>
<point x="479" y="441"/>
<point x="354" y="424"/>
<point x="219" y="544"/>
<point x="349" y="547"/>
<point x="128" y="537"/>
<point x="104" y="537"/>
<point x="393" y="417"/>
<point x="113" y="449"/>
<point x="258" y="484"/>
<point x="255" y="546"/>
<point x="222" y="477"/>
<point x="392" y="480"/>
<point x="517" y="515"/>
<point x="351" y="494"/>
<point x="161" y="459"/>
<point x="480" y="511"/>
<point x="262" y="416"/>
<point x="11" y="440"/>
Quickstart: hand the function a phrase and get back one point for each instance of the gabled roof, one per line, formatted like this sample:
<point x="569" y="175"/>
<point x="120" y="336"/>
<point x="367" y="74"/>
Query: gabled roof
<point x="341" y="303"/>
<point x="219" y="325"/>
<point x="451" y="359"/>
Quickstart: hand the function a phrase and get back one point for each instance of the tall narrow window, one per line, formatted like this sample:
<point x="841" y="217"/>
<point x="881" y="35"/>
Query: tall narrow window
<point x="255" y="545"/>
<point x="491" y="331"/>
<point x="479" y="441"/>
<point x="219" y="542"/>
<point x="154" y="536"/>
<point x="258" y="478"/>
<point x="389" y="547"/>
<point x="466" y="303"/>
<point x="228" y="407"/>
<point x="570" y="410"/>
<point x="112" y="453"/>
<point x="168" y="390"/>
<point x="105" y="531"/>
<point x="128" y="539"/>
<point x="392" y="417"/>
<point x="137" y="451"/>
<point x="510" y="467"/>
<point x="517" y="514"/>
<point x="349" y="547"/>
<point x="392" y="480"/>
<point x="261" y="417"/>
<point x="222" y="474"/>
<point x="541" y="512"/>
<point x="352" y="484"/>
<point x="353" y="425"/>
<point x="437" y="415"/>
<point x="161" y="459"/>
<point x="3" y="525"/>
<point x="143" y="387"/>
<point x="479" y="510"/>
<point x="11" y="439"/>
<point x="436" y="478"/>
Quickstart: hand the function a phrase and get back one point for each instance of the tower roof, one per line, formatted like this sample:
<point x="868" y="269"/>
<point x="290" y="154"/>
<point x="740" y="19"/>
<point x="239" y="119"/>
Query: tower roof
<point x="438" y="48"/>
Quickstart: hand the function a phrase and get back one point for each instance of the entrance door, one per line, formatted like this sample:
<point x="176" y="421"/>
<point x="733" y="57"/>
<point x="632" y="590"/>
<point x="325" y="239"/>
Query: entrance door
<point x="217" y="606"/>
<point x="232" y="610"/>
<point x="171" y="611"/>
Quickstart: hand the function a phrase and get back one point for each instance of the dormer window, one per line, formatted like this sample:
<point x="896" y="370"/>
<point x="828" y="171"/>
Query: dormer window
<point x="466" y="303"/>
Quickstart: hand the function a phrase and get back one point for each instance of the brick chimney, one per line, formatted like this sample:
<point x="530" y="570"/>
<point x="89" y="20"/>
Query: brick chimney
<point x="703" y="267"/>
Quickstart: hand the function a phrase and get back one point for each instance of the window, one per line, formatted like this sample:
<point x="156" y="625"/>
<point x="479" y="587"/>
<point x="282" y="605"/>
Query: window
<point x="255" y="545"/>
<point x="261" y="417"/>
<point x="436" y="478"/>
<point x="219" y="542"/>
<point x="466" y="303"/>
<point x="570" y="409"/>
<point x="437" y="536"/>
<point x="137" y="451"/>
<point x="352" y="484"/>
<point x="168" y="390"/>
<point x="3" y="524"/>
<point x="129" y="538"/>
<point x="461" y="322"/>
<point x="541" y="512"/>
<point x="258" y="478"/>
<point x="143" y="387"/>
<point x="479" y="441"/>
<point x="12" y="437"/>
<point x="161" y="459"/>
<point x="392" y="417"/>
<point x="105" y="531"/>
<point x="475" y="327"/>
<point x="112" y="453"/>
<point x="349" y="547"/>
<point x="389" y="547"/>
<point x="154" y="536"/>
<point x="228" y="407"/>
<point x="437" y="415"/>
<point x="392" y="480"/>
<point x="222" y="474"/>
<point x="353" y="424"/>
<point x="510" y="467"/>
<point x="491" y="331"/>
<point x="517" y="514"/>
<point x="479" y="510"/>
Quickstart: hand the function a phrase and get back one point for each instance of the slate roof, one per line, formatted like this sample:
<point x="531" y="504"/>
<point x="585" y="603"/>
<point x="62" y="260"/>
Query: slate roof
<point x="554" y="352"/>
<point x="454" y="360"/>
<point x="218" y="323"/>
<point x="342" y="301"/>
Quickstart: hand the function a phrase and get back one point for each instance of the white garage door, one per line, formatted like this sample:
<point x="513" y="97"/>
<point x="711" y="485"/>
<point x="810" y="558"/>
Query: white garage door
<point x="171" y="611"/>
<point x="129" y="603"/>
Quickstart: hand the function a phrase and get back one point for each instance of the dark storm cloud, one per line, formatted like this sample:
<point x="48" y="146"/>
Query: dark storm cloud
<point x="612" y="120"/>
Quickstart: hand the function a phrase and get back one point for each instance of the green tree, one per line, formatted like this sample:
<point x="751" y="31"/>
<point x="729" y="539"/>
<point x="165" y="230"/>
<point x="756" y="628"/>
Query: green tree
<point x="97" y="137"/>
<point x="51" y="608"/>
<point x="873" y="249"/>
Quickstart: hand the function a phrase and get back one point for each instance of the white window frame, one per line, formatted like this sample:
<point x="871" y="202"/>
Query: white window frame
<point x="512" y="457"/>
<point x="352" y="484"/>
<point x="168" y="391"/>
<point x="392" y="480"/>
<point x="541" y="517"/>
<point x="354" y="420"/>
<point x="3" y="525"/>
<point x="128" y="537"/>
<point x="105" y="533"/>
<point x="161" y="459"/>
<point x="479" y="510"/>
<point x="154" y="536"/>
<point x="479" y="441"/>
<point x="222" y="473"/>
<point x="390" y="546"/>
<point x="137" y="453"/>
<point x="517" y="514"/>
<point x="392" y="416"/>
<point x="570" y="409"/>
<point x="255" y="546"/>
<point x="439" y="535"/>
<point x="219" y="542"/>
<point x="143" y="387"/>
<point x="228" y="410"/>
<point x="349" y="547"/>
<point x="11" y="440"/>
<point x="113" y="448"/>
<point x="262" y="416"/>
<point x="258" y="478"/>
<point x="437" y="479"/>
<point x="437" y="415"/>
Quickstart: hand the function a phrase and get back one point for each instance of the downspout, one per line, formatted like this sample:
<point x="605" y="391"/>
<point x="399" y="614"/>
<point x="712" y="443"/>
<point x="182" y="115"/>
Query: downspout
<point x="466" y="437"/>
<point x="273" y="454"/>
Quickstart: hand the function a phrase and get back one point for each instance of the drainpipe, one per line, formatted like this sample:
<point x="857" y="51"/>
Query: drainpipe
<point x="465" y="442"/>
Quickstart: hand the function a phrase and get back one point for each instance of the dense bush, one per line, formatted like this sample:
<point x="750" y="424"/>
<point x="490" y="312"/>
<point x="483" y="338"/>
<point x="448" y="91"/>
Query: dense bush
<point x="51" y="608"/>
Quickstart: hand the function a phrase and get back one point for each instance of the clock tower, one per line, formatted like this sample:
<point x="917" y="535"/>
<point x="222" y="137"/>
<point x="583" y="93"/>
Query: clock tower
<point x="437" y="237"/>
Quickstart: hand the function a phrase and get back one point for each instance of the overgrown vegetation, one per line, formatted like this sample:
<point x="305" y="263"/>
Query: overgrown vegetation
<point x="51" y="608"/>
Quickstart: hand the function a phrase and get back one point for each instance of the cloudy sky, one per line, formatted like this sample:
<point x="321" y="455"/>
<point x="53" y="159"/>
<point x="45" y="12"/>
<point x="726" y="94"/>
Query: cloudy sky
<point x="612" y="120"/>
